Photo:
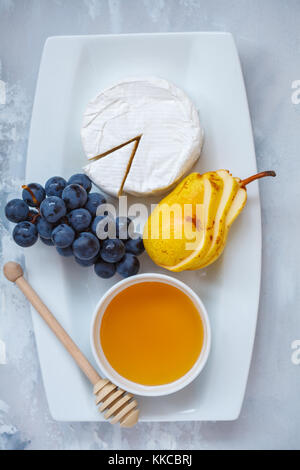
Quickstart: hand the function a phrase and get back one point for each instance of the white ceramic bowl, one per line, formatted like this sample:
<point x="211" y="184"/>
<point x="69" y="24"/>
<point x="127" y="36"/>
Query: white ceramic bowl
<point x="128" y="385"/>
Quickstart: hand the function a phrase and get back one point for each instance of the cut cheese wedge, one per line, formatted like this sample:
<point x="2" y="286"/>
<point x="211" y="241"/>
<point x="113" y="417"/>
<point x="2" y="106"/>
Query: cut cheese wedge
<point x="109" y="171"/>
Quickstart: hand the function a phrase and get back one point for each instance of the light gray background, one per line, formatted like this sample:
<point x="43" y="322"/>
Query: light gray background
<point x="267" y="33"/>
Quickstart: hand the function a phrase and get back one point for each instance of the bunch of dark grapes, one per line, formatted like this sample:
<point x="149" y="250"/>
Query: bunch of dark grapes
<point x="63" y="214"/>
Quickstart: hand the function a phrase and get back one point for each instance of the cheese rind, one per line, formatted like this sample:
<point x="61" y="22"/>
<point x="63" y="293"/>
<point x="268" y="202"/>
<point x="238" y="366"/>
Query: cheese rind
<point x="164" y="117"/>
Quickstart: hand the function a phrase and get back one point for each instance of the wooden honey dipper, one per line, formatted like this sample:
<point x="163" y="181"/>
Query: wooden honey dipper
<point x="118" y="405"/>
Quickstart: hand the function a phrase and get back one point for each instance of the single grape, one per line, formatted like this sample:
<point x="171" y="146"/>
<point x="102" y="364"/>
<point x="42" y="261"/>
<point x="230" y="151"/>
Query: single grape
<point x="94" y="200"/>
<point x="55" y="186"/>
<point x="86" y="263"/>
<point x="25" y="234"/>
<point x="52" y="209"/>
<point x="81" y="179"/>
<point x="104" y="270"/>
<point x="80" y="219"/>
<point x="33" y="194"/>
<point x="66" y="252"/>
<point x="16" y="210"/>
<point x="135" y="246"/>
<point x="44" y="228"/>
<point x="112" y="250"/>
<point x="86" y="246"/>
<point x="128" y="266"/>
<point x="47" y="241"/>
<point x="74" y="196"/>
<point x="122" y="227"/>
<point x="63" y="236"/>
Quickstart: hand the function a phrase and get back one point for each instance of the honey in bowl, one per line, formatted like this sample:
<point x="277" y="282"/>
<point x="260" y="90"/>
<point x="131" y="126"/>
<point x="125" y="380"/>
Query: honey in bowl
<point x="151" y="333"/>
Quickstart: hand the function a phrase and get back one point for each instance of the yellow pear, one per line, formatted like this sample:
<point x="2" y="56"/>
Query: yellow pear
<point x="218" y="220"/>
<point x="188" y="229"/>
<point x="182" y="224"/>
<point x="231" y="188"/>
<point x="220" y="237"/>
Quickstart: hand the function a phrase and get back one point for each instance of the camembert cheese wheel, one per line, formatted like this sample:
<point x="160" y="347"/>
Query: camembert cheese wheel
<point x="141" y="136"/>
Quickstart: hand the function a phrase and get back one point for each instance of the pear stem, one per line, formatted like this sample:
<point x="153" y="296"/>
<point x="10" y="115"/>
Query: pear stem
<point x="256" y="177"/>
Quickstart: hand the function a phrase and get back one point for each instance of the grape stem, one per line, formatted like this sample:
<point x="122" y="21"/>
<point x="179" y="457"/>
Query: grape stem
<point x="262" y="174"/>
<point x="36" y="216"/>
<point x="31" y="193"/>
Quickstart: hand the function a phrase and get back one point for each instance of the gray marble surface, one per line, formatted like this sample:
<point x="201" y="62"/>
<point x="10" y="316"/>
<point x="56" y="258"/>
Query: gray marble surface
<point x="267" y="33"/>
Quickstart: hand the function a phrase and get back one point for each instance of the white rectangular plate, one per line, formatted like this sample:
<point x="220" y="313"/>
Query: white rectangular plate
<point x="206" y="66"/>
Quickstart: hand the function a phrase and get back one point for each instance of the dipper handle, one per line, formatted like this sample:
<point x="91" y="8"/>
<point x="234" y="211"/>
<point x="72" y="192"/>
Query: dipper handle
<point x="14" y="273"/>
<point x="118" y="405"/>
